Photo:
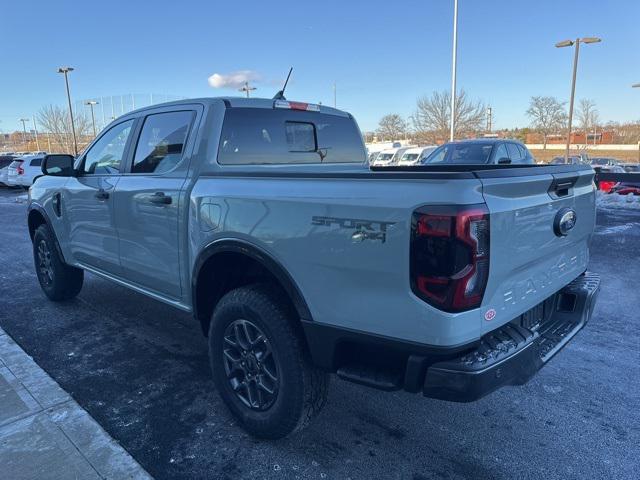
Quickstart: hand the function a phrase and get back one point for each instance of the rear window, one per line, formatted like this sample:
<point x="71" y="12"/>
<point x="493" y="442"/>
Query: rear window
<point x="264" y="136"/>
<point x="15" y="163"/>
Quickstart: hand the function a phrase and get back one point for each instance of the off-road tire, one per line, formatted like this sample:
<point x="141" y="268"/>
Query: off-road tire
<point x="302" y="387"/>
<point x="62" y="282"/>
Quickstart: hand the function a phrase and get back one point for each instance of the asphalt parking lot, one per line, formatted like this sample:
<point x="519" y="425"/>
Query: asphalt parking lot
<point x="140" y="369"/>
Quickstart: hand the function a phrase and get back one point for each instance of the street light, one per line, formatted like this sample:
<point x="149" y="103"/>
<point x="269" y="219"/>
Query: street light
<point x="24" y="130"/>
<point x="570" y="43"/>
<point x="635" y="85"/>
<point x="91" y="103"/>
<point x="246" y="88"/>
<point x="65" y="71"/>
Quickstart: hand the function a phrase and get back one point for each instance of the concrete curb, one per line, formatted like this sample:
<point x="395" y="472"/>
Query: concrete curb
<point x="44" y="433"/>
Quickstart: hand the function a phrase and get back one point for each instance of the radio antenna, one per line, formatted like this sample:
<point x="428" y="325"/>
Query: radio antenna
<point x="280" y="94"/>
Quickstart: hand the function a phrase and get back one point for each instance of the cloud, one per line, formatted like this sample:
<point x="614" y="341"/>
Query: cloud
<point x="233" y="79"/>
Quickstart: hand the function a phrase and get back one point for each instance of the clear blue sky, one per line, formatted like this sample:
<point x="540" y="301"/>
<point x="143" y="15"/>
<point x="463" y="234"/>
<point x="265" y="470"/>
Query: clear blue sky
<point x="381" y="54"/>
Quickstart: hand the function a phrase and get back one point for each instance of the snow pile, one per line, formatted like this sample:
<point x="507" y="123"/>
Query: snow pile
<point x="613" y="200"/>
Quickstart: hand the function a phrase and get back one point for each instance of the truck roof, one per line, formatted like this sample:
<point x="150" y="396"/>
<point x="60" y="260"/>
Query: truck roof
<point x="241" y="102"/>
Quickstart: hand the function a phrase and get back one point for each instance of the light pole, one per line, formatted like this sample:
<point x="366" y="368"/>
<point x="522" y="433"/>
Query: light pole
<point x="453" y="69"/>
<point x="91" y="103"/>
<point x="65" y="71"/>
<point x="24" y="130"/>
<point x="570" y="43"/>
<point x="246" y="88"/>
<point x="35" y="130"/>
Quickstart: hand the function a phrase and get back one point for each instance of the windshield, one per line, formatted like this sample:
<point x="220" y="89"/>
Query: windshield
<point x="461" y="153"/>
<point x="600" y="161"/>
<point x="385" y="157"/>
<point x="409" y="157"/>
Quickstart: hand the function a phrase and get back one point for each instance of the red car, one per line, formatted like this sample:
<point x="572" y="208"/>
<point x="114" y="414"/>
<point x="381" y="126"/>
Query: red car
<point x="626" y="188"/>
<point x="607" y="185"/>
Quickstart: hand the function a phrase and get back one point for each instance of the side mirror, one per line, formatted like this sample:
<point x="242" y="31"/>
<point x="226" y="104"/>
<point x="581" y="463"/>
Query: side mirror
<point x="504" y="161"/>
<point x="58" y="165"/>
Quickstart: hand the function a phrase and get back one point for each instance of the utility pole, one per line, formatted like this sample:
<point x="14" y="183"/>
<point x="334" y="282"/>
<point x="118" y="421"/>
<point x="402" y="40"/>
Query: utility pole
<point x="24" y="130"/>
<point x="35" y="129"/>
<point x="246" y="88"/>
<point x="91" y="103"/>
<point x="65" y="71"/>
<point x="453" y="69"/>
<point x="489" y="119"/>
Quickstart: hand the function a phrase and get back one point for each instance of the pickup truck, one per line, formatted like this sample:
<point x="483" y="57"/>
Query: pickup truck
<point x="297" y="260"/>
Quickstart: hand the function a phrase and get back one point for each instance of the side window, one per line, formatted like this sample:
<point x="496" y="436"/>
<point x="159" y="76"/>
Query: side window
<point x="105" y="156"/>
<point x="36" y="162"/>
<point x="161" y="142"/>
<point x="514" y="153"/>
<point x="501" y="152"/>
<point x="524" y="154"/>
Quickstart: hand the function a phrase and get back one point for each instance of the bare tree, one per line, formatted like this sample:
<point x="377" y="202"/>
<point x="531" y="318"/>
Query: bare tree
<point x="55" y="122"/>
<point x="547" y="115"/>
<point x="433" y="115"/>
<point x="588" y="116"/>
<point x="392" y="126"/>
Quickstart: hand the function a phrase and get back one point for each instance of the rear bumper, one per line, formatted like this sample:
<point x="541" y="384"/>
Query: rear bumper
<point x="510" y="355"/>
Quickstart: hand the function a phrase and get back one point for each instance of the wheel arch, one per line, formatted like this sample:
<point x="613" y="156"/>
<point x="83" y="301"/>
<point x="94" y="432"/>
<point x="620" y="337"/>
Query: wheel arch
<point x="221" y="257"/>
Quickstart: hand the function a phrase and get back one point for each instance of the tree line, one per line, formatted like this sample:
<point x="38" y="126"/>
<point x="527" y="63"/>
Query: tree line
<point x="431" y="120"/>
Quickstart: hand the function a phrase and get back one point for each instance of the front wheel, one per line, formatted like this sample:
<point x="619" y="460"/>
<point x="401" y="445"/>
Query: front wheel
<point x="260" y="364"/>
<point x="58" y="280"/>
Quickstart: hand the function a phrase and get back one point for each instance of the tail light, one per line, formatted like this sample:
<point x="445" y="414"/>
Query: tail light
<point x="450" y="256"/>
<point x="20" y="170"/>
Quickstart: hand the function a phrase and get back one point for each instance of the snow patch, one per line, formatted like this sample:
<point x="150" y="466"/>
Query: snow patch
<point x="613" y="200"/>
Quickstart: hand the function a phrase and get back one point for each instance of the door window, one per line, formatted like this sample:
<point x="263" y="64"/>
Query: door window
<point x="514" y="153"/>
<point x="36" y="162"/>
<point x="501" y="152"/>
<point x="105" y="156"/>
<point x="161" y="142"/>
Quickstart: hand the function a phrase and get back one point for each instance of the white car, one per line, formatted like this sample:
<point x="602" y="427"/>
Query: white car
<point x="385" y="157"/>
<point x="24" y="170"/>
<point x="5" y="161"/>
<point x="414" y="156"/>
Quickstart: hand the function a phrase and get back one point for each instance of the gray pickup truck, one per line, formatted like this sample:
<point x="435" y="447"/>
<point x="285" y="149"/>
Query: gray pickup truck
<point x="262" y="218"/>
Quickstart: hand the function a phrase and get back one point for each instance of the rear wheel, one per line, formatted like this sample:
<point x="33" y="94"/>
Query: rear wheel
<point x="260" y="364"/>
<point x="58" y="280"/>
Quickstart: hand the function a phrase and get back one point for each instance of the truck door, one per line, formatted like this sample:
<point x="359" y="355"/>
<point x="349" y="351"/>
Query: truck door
<point x="88" y="200"/>
<point x="148" y="201"/>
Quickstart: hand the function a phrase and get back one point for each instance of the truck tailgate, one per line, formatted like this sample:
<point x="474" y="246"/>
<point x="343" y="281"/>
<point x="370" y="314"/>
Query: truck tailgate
<point x="530" y="258"/>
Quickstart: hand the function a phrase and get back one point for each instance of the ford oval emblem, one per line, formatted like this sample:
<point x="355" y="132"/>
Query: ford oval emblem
<point x="565" y="220"/>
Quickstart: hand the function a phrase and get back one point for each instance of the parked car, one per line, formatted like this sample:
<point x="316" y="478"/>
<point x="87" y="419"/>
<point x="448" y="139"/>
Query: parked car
<point x="631" y="168"/>
<point x="626" y="188"/>
<point x="576" y="159"/>
<point x="298" y="260"/>
<point x="484" y="151"/>
<point x="24" y="170"/>
<point x="385" y="157"/>
<point x="607" y="185"/>
<point x="604" y="161"/>
<point x="415" y="155"/>
<point x="5" y="161"/>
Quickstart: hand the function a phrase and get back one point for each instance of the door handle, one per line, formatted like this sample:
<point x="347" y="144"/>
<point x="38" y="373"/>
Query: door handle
<point x="160" y="198"/>
<point x="102" y="195"/>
